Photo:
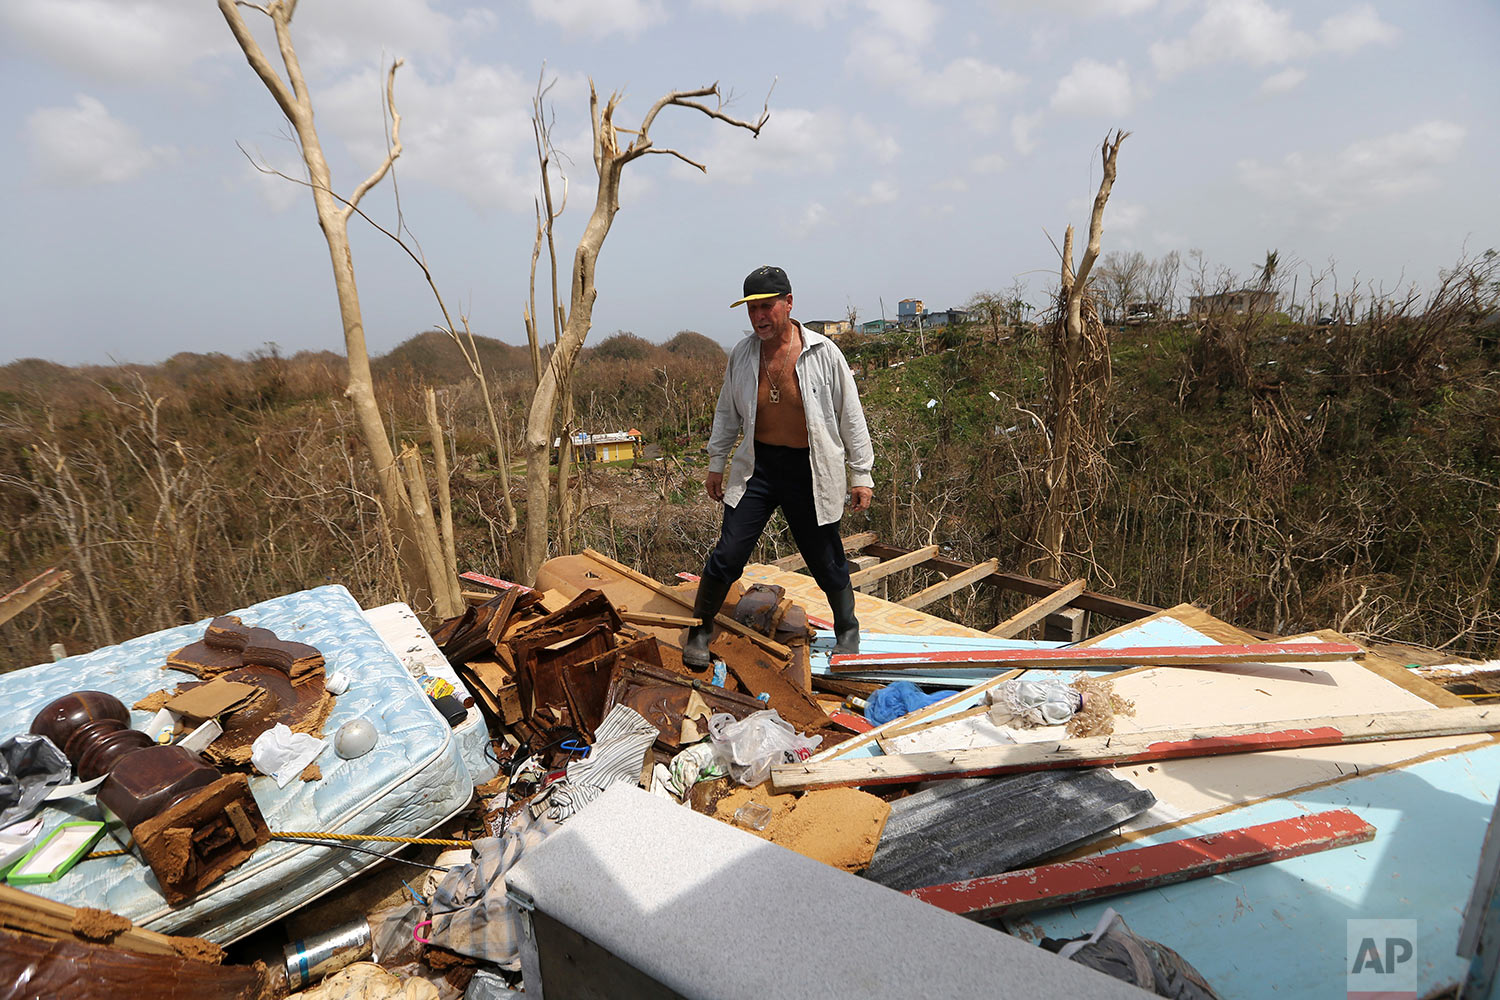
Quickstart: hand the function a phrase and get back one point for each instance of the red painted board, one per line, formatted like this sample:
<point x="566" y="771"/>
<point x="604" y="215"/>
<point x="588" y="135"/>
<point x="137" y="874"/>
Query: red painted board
<point x="1068" y="882"/>
<point x="1253" y="652"/>
<point x="858" y="723"/>
<point x="689" y="577"/>
<point x="492" y="581"/>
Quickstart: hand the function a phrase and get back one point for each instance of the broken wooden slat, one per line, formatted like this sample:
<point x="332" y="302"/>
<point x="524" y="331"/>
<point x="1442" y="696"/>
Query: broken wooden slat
<point x="1137" y="748"/>
<point x="852" y="543"/>
<point x="660" y="621"/>
<point x="31" y="591"/>
<point x="491" y="581"/>
<point x="760" y="675"/>
<point x="1060" y="598"/>
<point x="1098" y="657"/>
<point x="723" y="621"/>
<point x="31" y="914"/>
<point x="1070" y="882"/>
<point x="1112" y="607"/>
<point x="956" y="582"/>
<point x="889" y="566"/>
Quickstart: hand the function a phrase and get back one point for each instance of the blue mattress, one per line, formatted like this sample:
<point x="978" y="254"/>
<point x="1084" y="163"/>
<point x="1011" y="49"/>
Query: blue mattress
<point x="415" y="778"/>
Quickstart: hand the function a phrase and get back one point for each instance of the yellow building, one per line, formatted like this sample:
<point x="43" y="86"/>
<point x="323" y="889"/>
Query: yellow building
<point x="616" y="446"/>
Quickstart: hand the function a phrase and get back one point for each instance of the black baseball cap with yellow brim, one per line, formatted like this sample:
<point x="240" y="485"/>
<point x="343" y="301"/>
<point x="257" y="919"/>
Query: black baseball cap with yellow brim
<point x="764" y="283"/>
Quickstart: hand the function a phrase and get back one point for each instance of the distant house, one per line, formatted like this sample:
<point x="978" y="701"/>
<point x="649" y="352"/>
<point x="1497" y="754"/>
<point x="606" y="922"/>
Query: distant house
<point x="1237" y="303"/>
<point x="615" y="446"/>
<point x="909" y="312"/>
<point x="933" y="320"/>
<point x="829" y="327"/>
<point x="877" y="326"/>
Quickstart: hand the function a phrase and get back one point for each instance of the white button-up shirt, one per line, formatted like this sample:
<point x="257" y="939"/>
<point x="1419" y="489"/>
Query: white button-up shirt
<point x="836" y="432"/>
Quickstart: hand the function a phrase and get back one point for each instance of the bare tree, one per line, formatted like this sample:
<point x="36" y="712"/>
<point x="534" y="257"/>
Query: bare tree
<point x="610" y="159"/>
<point x="416" y="538"/>
<point x="1121" y="278"/>
<point x="1080" y="378"/>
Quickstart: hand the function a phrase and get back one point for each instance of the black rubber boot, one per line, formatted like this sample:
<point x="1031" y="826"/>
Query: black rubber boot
<point x="845" y="625"/>
<point x="711" y="594"/>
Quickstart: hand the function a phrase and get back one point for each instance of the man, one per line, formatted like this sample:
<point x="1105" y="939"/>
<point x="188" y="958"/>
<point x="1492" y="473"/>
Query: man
<point x="790" y="392"/>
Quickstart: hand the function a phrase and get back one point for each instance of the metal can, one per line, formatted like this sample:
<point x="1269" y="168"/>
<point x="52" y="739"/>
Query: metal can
<point x="310" y="959"/>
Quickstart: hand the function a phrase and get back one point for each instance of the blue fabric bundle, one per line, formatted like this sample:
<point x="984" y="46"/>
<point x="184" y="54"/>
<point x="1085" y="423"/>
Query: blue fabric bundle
<point x="896" y="700"/>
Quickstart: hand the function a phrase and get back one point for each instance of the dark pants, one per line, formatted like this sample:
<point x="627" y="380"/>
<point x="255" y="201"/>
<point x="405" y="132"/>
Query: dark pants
<point x="782" y="478"/>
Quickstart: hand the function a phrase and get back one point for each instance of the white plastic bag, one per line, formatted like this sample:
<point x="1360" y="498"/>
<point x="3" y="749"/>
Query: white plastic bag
<point x="751" y="746"/>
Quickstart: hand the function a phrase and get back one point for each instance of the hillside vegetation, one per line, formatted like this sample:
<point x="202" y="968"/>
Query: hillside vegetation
<point x="1287" y="477"/>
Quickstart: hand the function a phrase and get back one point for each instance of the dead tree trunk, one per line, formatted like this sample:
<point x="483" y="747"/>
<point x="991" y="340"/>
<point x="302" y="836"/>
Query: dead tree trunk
<point x="413" y="537"/>
<point x="609" y="161"/>
<point x="1080" y="375"/>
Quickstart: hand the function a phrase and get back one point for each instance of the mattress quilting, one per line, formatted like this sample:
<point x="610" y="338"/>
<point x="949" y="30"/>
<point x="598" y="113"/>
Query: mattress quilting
<point x="413" y="779"/>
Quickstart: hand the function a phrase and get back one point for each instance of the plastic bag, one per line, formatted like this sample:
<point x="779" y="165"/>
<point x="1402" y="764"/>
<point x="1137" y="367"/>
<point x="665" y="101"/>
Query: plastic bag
<point x="898" y="699"/>
<point x="1034" y="703"/>
<point x="699" y="762"/>
<point x="750" y="747"/>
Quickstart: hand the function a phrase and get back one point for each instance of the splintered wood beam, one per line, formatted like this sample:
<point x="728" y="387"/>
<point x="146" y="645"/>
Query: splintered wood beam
<point x="1101" y="658"/>
<point x="884" y="569"/>
<point x="852" y="543"/>
<point x="952" y="585"/>
<point x="31" y="591"/>
<point x="1028" y="616"/>
<point x="492" y="581"/>
<point x="1136" y="748"/>
<point x="28" y="913"/>
<point x="661" y="621"/>
<point x="1068" y="882"/>
<point x="723" y="620"/>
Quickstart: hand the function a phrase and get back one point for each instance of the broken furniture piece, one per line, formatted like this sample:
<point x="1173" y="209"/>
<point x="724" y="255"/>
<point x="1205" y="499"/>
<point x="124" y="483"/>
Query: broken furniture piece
<point x="190" y="823"/>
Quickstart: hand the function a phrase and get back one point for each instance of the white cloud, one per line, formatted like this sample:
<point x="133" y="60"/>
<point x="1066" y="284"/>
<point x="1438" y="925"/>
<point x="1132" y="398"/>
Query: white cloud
<point x="85" y="144"/>
<point x="1120" y="216"/>
<point x="1332" y="186"/>
<point x="278" y="193"/>
<point x="953" y="185"/>
<point x="1021" y="128"/>
<point x="894" y="50"/>
<point x="165" y="41"/>
<point x="874" y="141"/>
<point x="1354" y="29"/>
<point x="1094" y="88"/>
<point x="812" y="217"/>
<point x="794" y="141"/>
<point x="127" y="40"/>
<point x="1254" y="32"/>
<point x="1287" y="80"/>
<point x="989" y="163"/>
<point x="815" y="13"/>
<point x="881" y="192"/>
<point x="470" y="133"/>
<point x="1076" y="8"/>
<point x="599" y="18"/>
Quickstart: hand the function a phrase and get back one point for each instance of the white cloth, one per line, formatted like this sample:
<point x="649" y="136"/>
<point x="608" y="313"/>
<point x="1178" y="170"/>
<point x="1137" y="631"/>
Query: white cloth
<point x="283" y="754"/>
<point x="836" y="431"/>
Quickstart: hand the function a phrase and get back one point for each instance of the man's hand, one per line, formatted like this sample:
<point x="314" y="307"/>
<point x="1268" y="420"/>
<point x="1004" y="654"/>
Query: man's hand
<point x="859" y="498"/>
<point x="714" y="483"/>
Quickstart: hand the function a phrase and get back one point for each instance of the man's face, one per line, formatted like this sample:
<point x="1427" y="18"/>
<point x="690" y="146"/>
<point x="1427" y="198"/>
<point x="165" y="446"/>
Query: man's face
<point x="769" y="317"/>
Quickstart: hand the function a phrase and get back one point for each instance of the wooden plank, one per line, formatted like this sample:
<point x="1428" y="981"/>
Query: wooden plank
<point x="31" y="914"/>
<point x="1059" y="598"/>
<point x="723" y="621"/>
<point x="1096" y="657"/>
<point x="1137" y="748"/>
<point x="887" y="567"/>
<point x="491" y="581"/>
<point x="852" y="543"/>
<point x="956" y="582"/>
<point x="1069" y="882"/>
<point x="1066" y="625"/>
<point x="660" y="621"/>
<point x="31" y="591"/>
<point x="1112" y="607"/>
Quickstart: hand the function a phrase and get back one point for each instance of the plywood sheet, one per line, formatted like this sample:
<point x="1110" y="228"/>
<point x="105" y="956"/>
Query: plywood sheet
<point x="1165" y="696"/>
<point x="875" y="615"/>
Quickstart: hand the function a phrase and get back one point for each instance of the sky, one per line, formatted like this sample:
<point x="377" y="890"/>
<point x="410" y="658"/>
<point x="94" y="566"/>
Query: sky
<point x="915" y="149"/>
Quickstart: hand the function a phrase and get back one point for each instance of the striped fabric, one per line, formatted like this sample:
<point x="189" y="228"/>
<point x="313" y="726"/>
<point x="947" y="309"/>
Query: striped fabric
<point x="619" y="752"/>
